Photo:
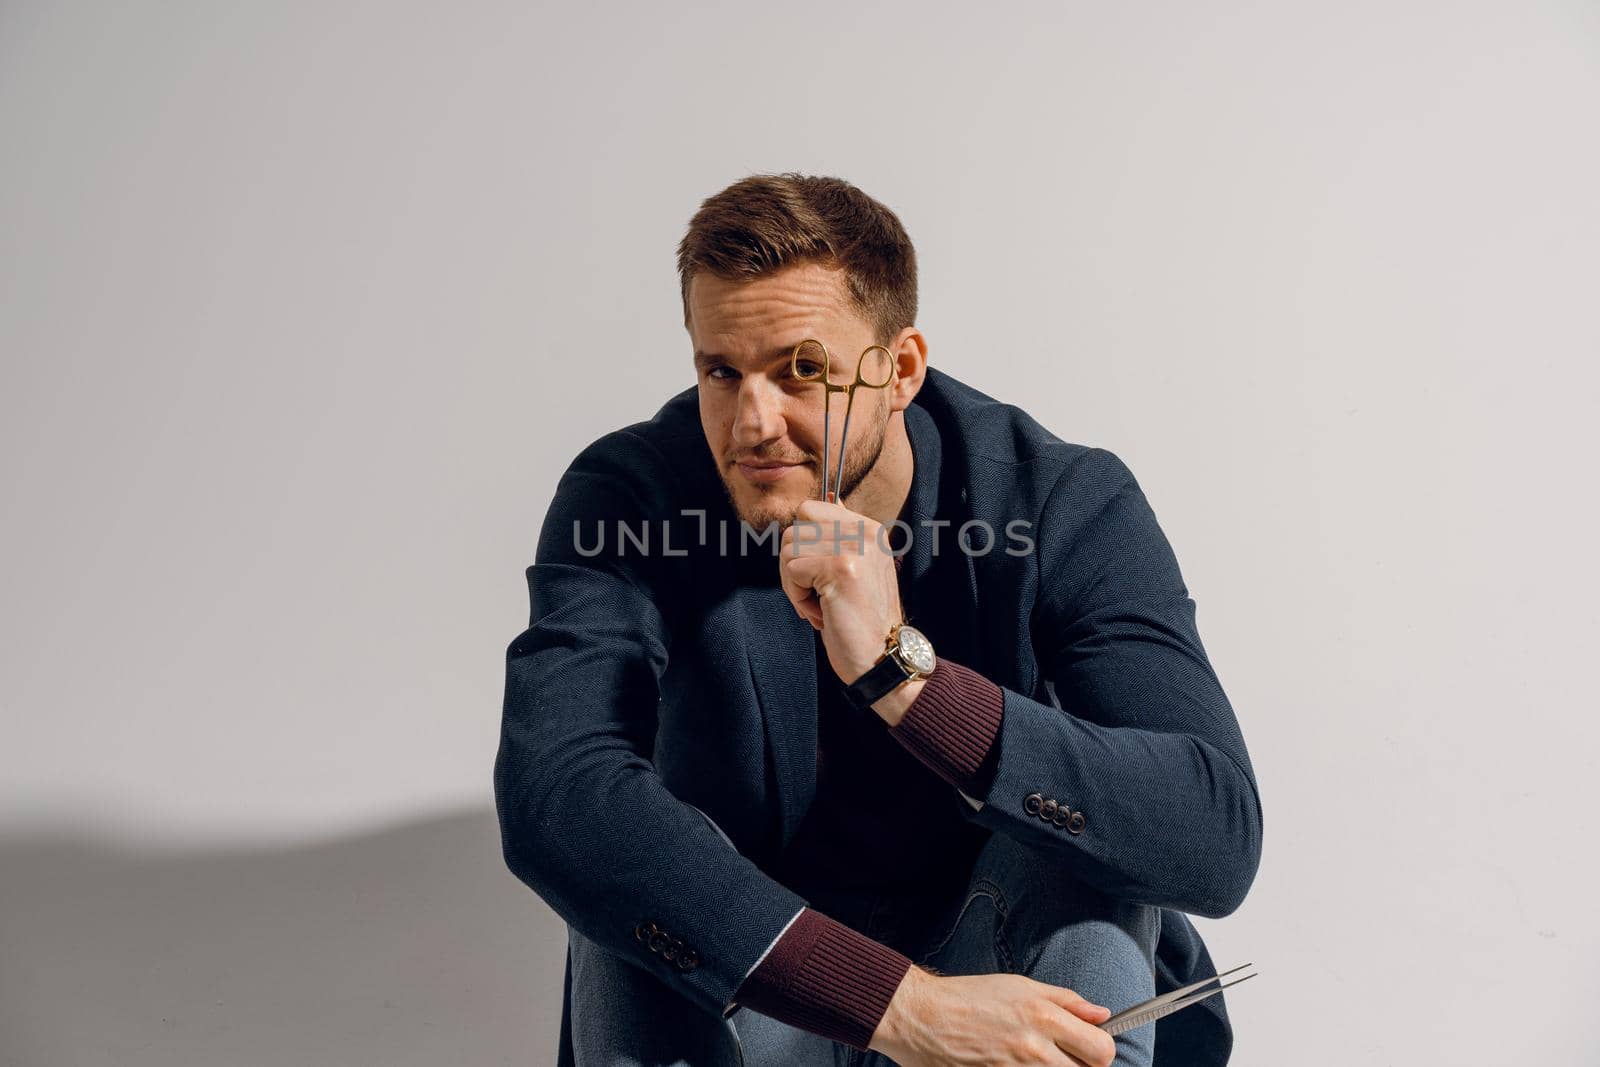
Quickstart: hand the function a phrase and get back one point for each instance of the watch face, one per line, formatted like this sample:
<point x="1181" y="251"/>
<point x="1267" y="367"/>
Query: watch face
<point x="916" y="650"/>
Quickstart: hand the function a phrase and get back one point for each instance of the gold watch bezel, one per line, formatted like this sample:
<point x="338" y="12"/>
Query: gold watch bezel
<point x="892" y="648"/>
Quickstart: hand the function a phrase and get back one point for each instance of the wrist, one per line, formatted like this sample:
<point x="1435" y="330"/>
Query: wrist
<point x="886" y="687"/>
<point x="893" y="705"/>
<point x="893" y="1034"/>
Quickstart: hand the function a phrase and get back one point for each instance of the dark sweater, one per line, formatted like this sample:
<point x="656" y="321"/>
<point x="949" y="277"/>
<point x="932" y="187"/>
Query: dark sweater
<point x="822" y="975"/>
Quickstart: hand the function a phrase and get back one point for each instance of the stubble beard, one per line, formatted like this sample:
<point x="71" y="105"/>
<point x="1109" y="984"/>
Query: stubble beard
<point x="765" y="512"/>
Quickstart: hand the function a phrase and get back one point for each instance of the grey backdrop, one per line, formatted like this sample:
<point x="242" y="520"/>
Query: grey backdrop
<point x="304" y="308"/>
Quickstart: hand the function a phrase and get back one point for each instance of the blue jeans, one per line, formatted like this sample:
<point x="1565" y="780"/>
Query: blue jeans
<point x="1021" y="912"/>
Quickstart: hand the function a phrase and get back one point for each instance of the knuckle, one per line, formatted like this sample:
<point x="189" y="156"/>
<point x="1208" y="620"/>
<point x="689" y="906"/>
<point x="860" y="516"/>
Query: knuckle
<point x="1030" y="1048"/>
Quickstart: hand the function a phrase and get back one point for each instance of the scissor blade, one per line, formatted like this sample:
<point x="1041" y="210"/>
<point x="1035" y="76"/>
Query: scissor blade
<point x="1150" y="1011"/>
<point x="827" y="431"/>
<point x="844" y="436"/>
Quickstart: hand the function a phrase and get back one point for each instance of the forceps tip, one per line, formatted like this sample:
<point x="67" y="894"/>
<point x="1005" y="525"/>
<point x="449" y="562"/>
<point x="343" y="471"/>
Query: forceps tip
<point x="1167" y="1003"/>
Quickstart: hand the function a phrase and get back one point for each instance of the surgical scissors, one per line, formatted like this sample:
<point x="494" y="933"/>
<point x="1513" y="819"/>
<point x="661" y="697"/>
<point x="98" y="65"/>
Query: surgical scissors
<point x="1167" y="1003"/>
<point x="806" y="352"/>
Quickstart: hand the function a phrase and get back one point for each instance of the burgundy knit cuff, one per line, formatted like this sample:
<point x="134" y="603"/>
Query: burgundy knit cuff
<point x="827" y="978"/>
<point x="952" y="726"/>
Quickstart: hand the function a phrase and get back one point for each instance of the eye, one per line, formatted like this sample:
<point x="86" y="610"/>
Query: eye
<point x="715" y="373"/>
<point x="807" y="369"/>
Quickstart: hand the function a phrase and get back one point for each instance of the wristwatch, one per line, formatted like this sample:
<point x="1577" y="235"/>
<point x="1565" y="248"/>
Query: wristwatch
<point x="908" y="655"/>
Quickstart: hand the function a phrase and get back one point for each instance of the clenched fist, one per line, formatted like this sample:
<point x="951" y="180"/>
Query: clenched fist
<point x="839" y="574"/>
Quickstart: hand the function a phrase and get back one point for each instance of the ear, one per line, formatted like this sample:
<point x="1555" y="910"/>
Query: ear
<point x="910" y="350"/>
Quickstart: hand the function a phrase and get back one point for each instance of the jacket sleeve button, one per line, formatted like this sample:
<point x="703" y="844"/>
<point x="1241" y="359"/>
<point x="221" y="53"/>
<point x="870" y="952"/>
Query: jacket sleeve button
<point x="658" y="941"/>
<point x="687" y="960"/>
<point x="1047" y="810"/>
<point x="1061" y="815"/>
<point x="1032" y="803"/>
<point x="1076" y="823"/>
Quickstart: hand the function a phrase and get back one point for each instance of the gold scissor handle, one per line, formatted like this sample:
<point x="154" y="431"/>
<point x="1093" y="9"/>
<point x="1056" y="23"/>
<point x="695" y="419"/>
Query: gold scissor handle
<point x="813" y="352"/>
<point x="888" y="368"/>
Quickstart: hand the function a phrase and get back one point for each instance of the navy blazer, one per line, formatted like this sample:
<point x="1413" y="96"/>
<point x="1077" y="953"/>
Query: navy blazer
<point x="663" y="670"/>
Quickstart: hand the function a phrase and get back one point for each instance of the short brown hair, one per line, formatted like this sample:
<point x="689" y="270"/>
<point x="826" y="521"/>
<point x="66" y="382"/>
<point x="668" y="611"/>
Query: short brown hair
<point x="765" y="222"/>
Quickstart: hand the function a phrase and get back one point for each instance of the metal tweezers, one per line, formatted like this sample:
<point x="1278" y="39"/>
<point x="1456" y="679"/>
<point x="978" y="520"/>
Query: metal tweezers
<point x="1167" y="1003"/>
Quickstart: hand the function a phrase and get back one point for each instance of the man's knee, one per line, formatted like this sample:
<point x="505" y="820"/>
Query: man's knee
<point x="1026" y="912"/>
<point x="1053" y="920"/>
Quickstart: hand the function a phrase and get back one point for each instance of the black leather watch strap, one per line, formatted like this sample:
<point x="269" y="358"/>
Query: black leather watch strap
<point x="871" y="687"/>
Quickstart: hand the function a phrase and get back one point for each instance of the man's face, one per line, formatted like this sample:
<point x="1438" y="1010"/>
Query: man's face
<point x="764" y="426"/>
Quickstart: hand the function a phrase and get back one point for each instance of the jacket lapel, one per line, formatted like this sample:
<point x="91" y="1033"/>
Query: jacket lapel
<point x="783" y="672"/>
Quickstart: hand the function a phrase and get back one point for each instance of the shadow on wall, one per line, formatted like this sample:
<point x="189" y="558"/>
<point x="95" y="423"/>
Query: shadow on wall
<point x="413" y="945"/>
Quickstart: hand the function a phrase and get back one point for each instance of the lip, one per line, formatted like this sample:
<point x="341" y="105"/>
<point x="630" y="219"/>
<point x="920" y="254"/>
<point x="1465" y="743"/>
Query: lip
<point x="766" y="473"/>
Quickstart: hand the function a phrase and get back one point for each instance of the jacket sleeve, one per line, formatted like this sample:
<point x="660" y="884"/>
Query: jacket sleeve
<point x="1137" y="773"/>
<point x="828" y="978"/>
<point x="585" y="820"/>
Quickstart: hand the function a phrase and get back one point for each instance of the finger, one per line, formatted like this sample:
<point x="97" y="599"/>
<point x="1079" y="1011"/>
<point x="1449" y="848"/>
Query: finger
<point x="806" y="572"/>
<point x="811" y="546"/>
<point x="821" y="510"/>
<point x="1082" y="1041"/>
<point x="1057" y="1058"/>
<point x="797" y="577"/>
<point x="826" y="537"/>
<point x="1077" y="1004"/>
<point x="806" y="604"/>
<point x="806" y="536"/>
<point x="796" y="583"/>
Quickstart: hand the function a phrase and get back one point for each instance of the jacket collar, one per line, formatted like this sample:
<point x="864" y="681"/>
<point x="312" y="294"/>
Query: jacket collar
<point x="922" y="503"/>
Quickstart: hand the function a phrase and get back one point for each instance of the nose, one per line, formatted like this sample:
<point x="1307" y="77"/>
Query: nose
<point x="759" y="417"/>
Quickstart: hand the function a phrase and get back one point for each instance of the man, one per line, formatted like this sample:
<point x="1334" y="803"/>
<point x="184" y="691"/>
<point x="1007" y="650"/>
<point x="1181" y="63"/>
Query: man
<point x="775" y="835"/>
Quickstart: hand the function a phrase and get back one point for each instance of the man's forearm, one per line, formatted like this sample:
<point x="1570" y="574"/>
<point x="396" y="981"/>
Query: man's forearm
<point x="954" y="725"/>
<point x="827" y="978"/>
<point x="950" y="723"/>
